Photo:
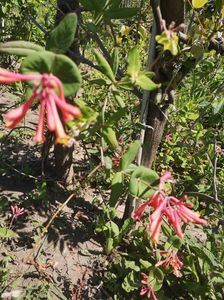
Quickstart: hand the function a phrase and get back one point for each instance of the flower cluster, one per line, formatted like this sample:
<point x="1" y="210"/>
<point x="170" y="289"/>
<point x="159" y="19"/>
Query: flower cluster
<point x="17" y="211"/>
<point x="48" y="91"/>
<point x="177" y="211"/>
<point x="147" y="289"/>
<point x="172" y="260"/>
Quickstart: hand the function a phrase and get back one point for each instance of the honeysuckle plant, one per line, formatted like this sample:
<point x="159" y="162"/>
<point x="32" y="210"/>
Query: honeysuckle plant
<point x="53" y="81"/>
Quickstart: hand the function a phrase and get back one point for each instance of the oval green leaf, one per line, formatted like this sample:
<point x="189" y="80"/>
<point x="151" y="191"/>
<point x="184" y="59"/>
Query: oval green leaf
<point x="20" y="48"/>
<point x="57" y="64"/>
<point x="116" y="188"/>
<point x="61" y="37"/>
<point x="103" y="63"/>
<point x="130" y="155"/>
<point x="142" y="183"/>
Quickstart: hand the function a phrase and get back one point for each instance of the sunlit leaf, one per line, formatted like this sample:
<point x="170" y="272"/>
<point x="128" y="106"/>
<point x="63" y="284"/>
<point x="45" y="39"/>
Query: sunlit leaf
<point x="130" y="155"/>
<point x="61" y="37"/>
<point x="57" y="64"/>
<point x="142" y="183"/>
<point x="198" y="3"/>
<point x="169" y="43"/>
<point x="20" y="48"/>
<point x="103" y="63"/>
<point x="116" y="188"/>
<point x="109" y="136"/>
<point x="7" y="233"/>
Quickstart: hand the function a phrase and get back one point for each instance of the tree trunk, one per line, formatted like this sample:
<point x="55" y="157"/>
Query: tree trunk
<point x="156" y="121"/>
<point x="64" y="153"/>
<point x="171" y="10"/>
<point x="63" y="162"/>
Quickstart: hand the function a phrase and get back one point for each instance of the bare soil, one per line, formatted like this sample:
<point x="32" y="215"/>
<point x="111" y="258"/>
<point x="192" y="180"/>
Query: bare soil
<point x="69" y="257"/>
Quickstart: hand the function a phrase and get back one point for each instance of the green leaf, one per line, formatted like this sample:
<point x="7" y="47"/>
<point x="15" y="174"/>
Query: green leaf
<point x="145" y="263"/>
<point x="207" y="255"/>
<point x="175" y="241"/>
<point x="88" y="114"/>
<point x="134" y="62"/>
<point x="218" y="106"/>
<point x="197" y="50"/>
<point x="57" y="64"/>
<point x="218" y="279"/>
<point x="116" y="116"/>
<point x="108" y="163"/>
<point x="116" y="188"/>
<point x="109" y="245"/>
<point x="156" y="277"/>
<point x="126" y="227"/>
<point x="118" y="99"/>
<point x="129" y="264"/>
<point x="146" y="83"/>
<point x="115" y="3"/>
<point x="121" y="13"/>
<point x="198" y="3"/>
<point x="130" y="155"/>
<point x="61" y="38"/>
<point x="130" y="282"/>
<point x="115" y="60"/>
<point x="131" y="168"/>
<point x="109" y="136"/>
<point x="98" y="81"/>
<point x="20" y="48"/>
<point x="87" y="4"/>
<point x="142" y="183"/>
<point x="114" y="228"/>
<point x="106" y="68"/>
<point x="169" y="43"/>
<point x="202" y="251"/>
<point x="125" y="84"/>
<point x="7" y="233"/>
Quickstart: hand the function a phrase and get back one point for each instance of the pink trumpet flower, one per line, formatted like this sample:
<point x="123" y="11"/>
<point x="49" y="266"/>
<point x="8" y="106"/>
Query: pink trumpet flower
<point x="173" y="261"/>
<point x="177" y="211"/>
<point x="147" y="289"/>
<point x="48" y="91"/>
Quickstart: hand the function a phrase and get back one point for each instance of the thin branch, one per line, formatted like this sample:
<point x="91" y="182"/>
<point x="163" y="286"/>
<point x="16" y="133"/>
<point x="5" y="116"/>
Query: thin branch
<point x="202" y="196"/>
<point x="214" y="177"/>
<point x="45" y="230"/>
<point x="34" y="21"/>
<point x="155" y="4"/>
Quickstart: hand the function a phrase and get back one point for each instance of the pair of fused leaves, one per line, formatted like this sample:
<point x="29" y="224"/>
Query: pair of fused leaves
<point x="142" y="183"/>
<point x="137" y="76"/>
<point x="38" y="60"/>
<point x="155" y="280"/>
<point x="169" y="43"/>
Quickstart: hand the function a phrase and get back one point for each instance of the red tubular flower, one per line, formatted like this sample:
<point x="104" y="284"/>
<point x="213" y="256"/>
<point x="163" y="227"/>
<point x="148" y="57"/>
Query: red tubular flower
<point x="16" y="115"/>
<point x="138" y="213"/>
<point x="177" y="211"/>
<point x="173" y="261"/>
<point x="156" y="221"/>
<point x="147" y="290"/>
<point x="44" y="92"/>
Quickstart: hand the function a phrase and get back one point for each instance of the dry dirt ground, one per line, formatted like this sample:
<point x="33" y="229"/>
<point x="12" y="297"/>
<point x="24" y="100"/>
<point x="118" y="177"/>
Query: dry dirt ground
<point x="68" y="260"/>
